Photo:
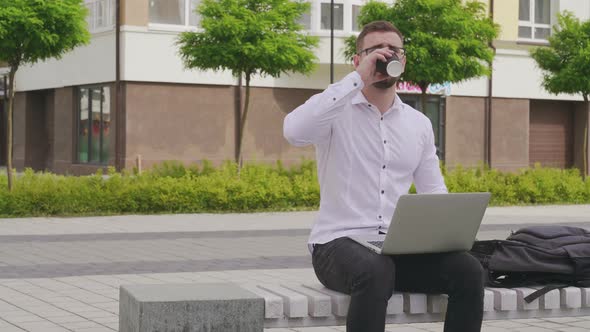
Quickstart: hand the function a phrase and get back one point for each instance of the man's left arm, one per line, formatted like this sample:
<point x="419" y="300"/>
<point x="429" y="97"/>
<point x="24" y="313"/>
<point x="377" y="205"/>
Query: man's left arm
<point x="427" y="176"/>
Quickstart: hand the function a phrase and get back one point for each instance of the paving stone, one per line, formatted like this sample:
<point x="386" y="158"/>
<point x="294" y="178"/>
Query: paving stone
<point x="562" y="320"/>
<point x="507" y="324"/>
<point x="44" y="326"/>
<point x="95" y="329"/>
<point x="573" y="329"/>
<point x="547" y="325"/>
<point x="584" y="324"/>
<point x="404" y="328"/>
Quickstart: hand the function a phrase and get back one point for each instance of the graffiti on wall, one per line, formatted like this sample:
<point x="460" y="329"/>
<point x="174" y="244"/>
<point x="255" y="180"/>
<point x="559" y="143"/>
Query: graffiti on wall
<point x="435" y="89"/>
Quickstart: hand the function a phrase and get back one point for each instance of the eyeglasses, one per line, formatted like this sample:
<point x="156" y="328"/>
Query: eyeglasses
<point x="399" y="51"/>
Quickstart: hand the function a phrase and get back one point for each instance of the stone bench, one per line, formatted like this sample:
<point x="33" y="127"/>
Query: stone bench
<point x="298" y="305"/>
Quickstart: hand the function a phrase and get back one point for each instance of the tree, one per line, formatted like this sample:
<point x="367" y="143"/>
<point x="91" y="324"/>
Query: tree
<point x="249" y="37"/>
<point x="566" y="63"/>
<point x="34" y="30"/>
<point x="445" y="40"/>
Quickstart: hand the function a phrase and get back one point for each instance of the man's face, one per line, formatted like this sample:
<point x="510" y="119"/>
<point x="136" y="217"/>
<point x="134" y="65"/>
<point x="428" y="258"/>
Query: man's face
<point x="381" y="39"/>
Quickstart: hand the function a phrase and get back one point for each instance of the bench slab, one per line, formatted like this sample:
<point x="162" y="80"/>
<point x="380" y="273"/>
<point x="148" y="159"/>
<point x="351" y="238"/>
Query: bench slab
<point x="189" y="308"/>
<point x="252" y="307"/>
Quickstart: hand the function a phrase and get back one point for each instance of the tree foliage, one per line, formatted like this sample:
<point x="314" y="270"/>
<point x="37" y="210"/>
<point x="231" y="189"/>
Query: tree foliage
<point x="445" y="40"/>
<point x="36" y="30"/>
<point x="249" y="37"/>
<point x="566" y="62"/>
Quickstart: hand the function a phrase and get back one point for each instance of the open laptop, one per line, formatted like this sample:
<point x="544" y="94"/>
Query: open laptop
<point x="430" y="223"/>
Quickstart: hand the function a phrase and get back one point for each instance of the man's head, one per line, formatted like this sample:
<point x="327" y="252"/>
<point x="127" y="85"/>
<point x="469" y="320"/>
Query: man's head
<point x="380" y="34"/>
<point x="376" y="26"/>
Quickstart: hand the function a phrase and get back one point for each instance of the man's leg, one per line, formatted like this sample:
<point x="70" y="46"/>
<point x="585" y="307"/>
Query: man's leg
<point x="347" y="267"/>
<point x="457" y="274"/>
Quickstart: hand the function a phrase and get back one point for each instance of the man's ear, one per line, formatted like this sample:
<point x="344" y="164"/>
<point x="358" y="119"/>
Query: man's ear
<point x="355" y="60"/>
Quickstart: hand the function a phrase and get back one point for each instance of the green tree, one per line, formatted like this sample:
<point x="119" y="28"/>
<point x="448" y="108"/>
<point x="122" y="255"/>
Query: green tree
<point x="445" y="40"/>
<point x="36" y="30"/>
<point x="249" y="37"/>
<point x="566" y="63"/>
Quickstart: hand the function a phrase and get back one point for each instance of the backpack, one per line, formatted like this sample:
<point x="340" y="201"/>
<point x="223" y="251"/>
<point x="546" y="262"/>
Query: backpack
<point x="552" y="256"/>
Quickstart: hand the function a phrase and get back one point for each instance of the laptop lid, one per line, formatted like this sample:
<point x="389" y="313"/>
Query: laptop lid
<point x="429" y="223"/>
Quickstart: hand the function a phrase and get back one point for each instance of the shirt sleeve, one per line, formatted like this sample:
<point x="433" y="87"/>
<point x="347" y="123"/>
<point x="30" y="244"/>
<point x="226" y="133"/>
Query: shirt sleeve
<point x="311" y="122"/>
<point x="427" y="176"/>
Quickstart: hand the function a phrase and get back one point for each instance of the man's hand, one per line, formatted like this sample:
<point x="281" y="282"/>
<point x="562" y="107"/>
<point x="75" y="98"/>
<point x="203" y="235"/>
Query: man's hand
<point x="367" y="65"/>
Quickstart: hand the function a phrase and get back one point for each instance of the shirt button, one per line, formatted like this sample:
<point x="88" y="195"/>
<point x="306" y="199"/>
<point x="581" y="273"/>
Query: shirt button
<point x="334" y="99"/>
<point x="370" y="105"/>
<point x="385" y="142"/>
<point x="383" y="166"/>
<point x="355" y="84"/>
<point x="381" y="118"/>
<point x="383" y="191"/>
<point x="380" y="217"/>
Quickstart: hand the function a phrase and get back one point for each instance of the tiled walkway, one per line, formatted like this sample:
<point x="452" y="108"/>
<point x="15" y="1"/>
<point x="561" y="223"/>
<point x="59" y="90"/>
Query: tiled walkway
<point x="64" y="274"/>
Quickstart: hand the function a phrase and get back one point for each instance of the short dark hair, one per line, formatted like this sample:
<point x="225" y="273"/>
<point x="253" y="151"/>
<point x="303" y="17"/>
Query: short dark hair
<point x="381" y="26"/>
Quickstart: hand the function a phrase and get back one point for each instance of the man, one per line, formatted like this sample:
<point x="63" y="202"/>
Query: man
<point x="370" y="147"/>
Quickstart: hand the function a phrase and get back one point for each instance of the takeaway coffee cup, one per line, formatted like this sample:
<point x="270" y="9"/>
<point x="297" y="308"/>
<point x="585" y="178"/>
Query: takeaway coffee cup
<point x="392" y="67"/>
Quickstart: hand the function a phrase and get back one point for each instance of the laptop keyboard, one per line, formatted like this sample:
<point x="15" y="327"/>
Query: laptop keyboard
<point x="378" y="244"/>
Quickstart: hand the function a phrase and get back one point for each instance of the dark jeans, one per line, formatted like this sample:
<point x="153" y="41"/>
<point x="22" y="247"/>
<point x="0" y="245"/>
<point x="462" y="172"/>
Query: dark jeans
<point x="369" y="278"/>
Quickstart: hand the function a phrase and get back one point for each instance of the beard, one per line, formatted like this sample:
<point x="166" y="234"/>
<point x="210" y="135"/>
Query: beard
<point x="386" y="83"/>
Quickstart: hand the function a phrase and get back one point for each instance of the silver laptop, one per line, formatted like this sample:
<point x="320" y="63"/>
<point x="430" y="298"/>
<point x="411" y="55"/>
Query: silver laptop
<point x="430" y="223"/>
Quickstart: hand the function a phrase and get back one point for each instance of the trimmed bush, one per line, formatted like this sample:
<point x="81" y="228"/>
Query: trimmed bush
<point x="173" y="188"/>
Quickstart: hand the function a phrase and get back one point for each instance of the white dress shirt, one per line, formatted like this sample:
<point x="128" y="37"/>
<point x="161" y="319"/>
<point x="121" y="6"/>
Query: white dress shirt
<point x="365" y="160"/>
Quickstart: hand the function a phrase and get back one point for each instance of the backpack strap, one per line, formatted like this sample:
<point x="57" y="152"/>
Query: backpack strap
<point x="540" y="292"/>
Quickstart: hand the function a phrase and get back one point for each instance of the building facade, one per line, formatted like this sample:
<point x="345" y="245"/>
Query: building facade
<point x="104" y="105"/>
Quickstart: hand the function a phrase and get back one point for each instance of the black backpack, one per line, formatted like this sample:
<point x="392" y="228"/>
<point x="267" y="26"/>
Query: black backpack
<point x="552" y="256"/>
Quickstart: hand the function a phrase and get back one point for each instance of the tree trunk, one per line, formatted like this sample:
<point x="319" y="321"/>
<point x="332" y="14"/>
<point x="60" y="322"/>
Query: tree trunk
<point x="243" y="119"/>
<point x="423" y="97"/>
<point x="9" y="126"/>
<point x="238" y="120"/>
<point x="585" y="154"/>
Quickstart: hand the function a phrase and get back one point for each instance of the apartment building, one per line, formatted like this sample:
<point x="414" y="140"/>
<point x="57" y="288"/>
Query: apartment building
<point x="118" y="100"/>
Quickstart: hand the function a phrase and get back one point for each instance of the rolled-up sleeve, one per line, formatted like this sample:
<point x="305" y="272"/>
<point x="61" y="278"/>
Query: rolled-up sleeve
<point x="311" y="122"/>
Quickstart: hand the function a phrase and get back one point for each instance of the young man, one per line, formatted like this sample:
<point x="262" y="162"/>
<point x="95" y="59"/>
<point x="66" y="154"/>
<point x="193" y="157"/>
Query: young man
<point x="370" y="147"/>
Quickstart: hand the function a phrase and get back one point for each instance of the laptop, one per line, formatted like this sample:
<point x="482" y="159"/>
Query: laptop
<point x="430" y="223"/>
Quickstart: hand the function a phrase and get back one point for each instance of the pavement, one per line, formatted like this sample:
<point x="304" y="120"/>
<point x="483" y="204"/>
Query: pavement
<point x="63" y="274"/>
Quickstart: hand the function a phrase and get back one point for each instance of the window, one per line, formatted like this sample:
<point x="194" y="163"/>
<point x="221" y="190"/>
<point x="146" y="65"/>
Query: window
<point x="101" y="15"/>
<point x="435" y="112"/>
<point x="338" y="16"/>
<point x="174" y="12"/>
<point x="534" y="19"/>
<point x="94" y="120"/>
<point x="305" y="20"/>
<point x="356" y="10"/>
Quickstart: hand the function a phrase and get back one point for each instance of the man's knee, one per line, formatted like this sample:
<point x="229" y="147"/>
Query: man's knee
<point x="377" y="276"/>
<point x="469" y="273"/>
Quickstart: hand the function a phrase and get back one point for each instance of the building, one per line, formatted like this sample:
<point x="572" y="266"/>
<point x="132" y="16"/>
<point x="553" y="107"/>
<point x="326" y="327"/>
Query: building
<point x="106" y="105"/>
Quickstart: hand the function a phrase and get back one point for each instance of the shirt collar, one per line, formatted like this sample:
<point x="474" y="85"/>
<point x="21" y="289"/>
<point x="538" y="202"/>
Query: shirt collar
<point x="360" y="99"/>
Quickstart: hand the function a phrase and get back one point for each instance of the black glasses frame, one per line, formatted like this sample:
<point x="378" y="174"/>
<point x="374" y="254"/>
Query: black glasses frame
<point x="399" y="51"/>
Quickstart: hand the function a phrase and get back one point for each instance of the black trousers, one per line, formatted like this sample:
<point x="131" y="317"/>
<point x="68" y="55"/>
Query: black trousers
<point x="370" y="279"/>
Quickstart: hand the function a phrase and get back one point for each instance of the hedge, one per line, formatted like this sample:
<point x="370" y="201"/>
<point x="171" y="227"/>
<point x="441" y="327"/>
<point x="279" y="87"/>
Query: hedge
<point x="173" y="188"/>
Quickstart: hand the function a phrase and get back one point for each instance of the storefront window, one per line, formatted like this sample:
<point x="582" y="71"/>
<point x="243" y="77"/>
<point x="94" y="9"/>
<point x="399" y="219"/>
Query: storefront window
<point x="435" y="112"/>
<point x="94" y="125"/>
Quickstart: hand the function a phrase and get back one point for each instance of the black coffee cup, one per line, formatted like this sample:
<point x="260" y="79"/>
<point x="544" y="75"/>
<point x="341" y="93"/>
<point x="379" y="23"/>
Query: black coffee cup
<point x="392" y="67"/>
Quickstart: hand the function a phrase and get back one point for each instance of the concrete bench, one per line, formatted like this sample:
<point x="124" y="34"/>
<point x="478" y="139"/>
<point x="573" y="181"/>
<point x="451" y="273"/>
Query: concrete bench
<point x="298" y="305"/>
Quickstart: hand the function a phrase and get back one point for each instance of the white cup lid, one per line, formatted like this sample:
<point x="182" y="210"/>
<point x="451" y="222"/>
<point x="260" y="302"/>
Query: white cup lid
<point x="395" y="68"/>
